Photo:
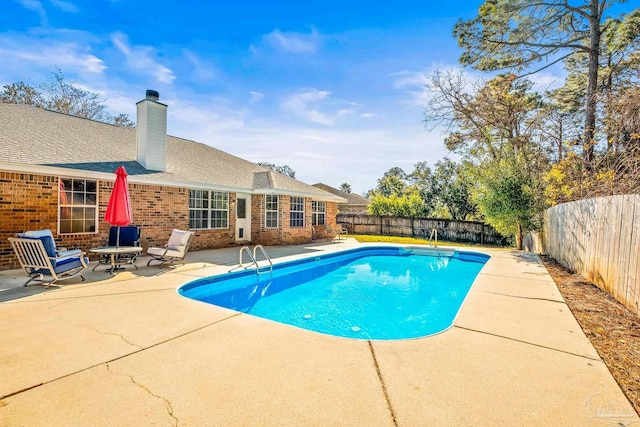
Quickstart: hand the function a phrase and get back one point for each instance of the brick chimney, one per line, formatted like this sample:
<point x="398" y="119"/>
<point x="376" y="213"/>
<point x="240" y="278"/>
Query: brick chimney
<point x="151" y="131"/>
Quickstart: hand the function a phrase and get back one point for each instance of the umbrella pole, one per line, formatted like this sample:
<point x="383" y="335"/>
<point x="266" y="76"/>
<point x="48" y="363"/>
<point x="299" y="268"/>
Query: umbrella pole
<point x="118" y="237"/>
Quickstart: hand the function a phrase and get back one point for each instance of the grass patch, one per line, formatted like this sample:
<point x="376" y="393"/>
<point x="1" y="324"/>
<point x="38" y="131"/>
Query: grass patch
<point x="365" y="238"/>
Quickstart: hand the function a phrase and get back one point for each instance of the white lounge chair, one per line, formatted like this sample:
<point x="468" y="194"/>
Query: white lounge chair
<point x="43" y="262"/>
<point x="175" y="250"/>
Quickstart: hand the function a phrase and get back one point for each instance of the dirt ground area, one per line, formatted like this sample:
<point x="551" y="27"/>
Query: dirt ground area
<point x="612" y="328"/>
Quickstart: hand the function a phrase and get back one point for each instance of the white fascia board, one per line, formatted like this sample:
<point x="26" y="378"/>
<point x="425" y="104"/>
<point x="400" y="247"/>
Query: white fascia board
<point x="108" y="176"/>
<point x="322" y="198"/>
<point x="138" y="179"/>
<point x="56" y="170"/>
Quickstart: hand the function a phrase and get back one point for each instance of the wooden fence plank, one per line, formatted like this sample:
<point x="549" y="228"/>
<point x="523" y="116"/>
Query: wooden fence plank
<point x="600" y="239"/>
<point x="450" y="230"/>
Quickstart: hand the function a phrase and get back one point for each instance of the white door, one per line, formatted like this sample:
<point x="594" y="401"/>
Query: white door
<point x="243" y="217"/>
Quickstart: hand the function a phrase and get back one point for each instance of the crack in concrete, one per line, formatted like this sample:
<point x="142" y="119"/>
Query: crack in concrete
<point x="523" y="297"/>
<point x="584" y="356"/>
<point x="119" y="357"/>
<point x="545" y="280"/>
<point x="384" y="387"/>
<point x="145" y="388"/>
<point x="98" y="331"/>
<point x="75" y="297"/>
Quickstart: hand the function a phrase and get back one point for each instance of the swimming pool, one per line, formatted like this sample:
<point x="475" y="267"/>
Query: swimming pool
<point x="375" y="292"/>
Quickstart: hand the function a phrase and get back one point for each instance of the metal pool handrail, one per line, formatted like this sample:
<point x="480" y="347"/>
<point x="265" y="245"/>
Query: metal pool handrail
<point x="253" y="258"/>
<point x="266" y="256"/>
<point x="434" y="232"/>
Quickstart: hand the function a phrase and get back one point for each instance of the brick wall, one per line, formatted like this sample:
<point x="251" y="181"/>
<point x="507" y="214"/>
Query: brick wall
<point x="27" y="202"/>
<point x="30" y="202"/>
<point x="285" y="234"/>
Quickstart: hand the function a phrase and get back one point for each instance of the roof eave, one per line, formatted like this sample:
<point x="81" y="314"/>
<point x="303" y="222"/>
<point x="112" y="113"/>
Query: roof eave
<point x="137" y="179"/>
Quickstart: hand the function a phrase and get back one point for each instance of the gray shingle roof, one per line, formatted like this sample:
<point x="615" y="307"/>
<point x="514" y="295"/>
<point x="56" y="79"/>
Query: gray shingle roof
<point x="33" y="136"/>
<point x="352" y="199"/>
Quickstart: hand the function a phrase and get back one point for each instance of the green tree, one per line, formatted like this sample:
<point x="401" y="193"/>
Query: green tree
<point x="446" y="192"/>
<point x="345" y="187"/>
<point x="619" y="71"/>
<point x="404" y="206"/>
<point x="393" y="182"/>
<point x="453" y="189"/>
<point x="616" y="169"/>
<point x="488" y="120"/>
<point x="560" y="128"/>
<point x="516" y="34"/>
<point x="495" y="127"/>
<point x="421" y="179"/>
<point x="508" y="202"/>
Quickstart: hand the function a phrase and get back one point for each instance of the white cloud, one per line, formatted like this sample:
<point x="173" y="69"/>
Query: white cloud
<point x="37" y="7"/>
<point x="412" y="83"/>
<point x="24" y="54"/>
<point x="142" y="59"/>
<point x="329" y="155"/>
<point x="300" y="104"/>
<point x="203" y="116"/>
<point x="307" y="105"/>
<point x="201" y="71"/>
<point x="409" y="79"/>
<point x="65" y="6"/>
<point x="255" y="97"/>
<point x="367" y="115"/>
<point x="293" y="42"/>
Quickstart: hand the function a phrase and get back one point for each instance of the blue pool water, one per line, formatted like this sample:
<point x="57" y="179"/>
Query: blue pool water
<point x="379" y="293"/>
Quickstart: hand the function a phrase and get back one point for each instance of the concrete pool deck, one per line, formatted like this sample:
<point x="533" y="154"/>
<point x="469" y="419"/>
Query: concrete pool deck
<point x="127" y="350"/>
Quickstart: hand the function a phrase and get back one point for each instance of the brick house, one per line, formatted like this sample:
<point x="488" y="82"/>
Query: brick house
<point x="355" y="204"/>
<point x="57" y="172"/>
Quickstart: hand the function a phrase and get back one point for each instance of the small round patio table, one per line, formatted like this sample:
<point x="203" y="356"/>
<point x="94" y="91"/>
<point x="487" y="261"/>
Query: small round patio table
<point x="113" y="251"/>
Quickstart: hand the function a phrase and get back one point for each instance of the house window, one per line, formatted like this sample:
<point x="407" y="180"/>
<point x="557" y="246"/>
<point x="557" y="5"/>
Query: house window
<point x="318" y="212"/>
<point x="296" y="214"/>
<point x="77" y="205"/>
<point x="271" y="211"/>
<point x="208" y="209"/>
<point x="241" y="209"/>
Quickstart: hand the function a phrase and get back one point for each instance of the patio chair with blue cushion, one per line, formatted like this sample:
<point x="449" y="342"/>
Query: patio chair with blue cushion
<point x="129" y="236"/>
<point x="42" y="261"/>
<point x="175" y="250"/>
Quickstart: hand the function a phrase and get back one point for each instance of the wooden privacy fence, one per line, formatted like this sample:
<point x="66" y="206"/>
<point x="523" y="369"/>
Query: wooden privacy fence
<point x="449" y="230"/>
<point x="599" y="239"/>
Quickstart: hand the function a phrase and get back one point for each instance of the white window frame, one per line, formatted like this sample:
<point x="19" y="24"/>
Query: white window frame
<point x="212" y="202"/>
<point x="269" y="201"/>
<point x="296" y="207"/>
<point x="72" y="203"/>
<point x="316" y="212"/>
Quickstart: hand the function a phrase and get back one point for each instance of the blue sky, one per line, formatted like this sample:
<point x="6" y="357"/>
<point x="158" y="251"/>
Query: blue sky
<point x="331" y="89"/>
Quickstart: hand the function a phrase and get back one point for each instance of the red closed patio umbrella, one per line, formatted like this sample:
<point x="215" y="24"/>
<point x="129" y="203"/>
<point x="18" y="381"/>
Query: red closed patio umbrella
<point x="119" y="208"/>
